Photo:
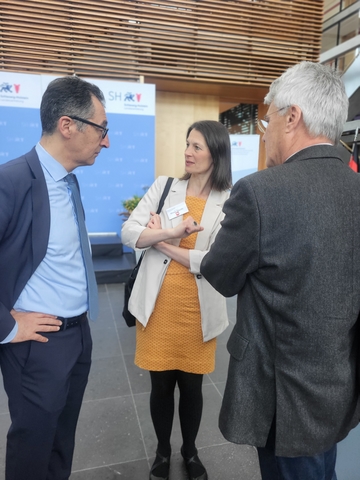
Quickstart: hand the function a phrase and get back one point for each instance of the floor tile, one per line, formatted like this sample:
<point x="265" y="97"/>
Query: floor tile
<point x="209" y="433"/>
<point x="127" y="338"/>
<point x="125" y="471"/>
<point x="108" y="378"/>
<point x="139" y="379"/>
<point x="108" y="433"/>
<point x="221" y="362"/>
<point x="106" y="343"/>
<point x="115" y="438"/>
<point x="4" y="427"/>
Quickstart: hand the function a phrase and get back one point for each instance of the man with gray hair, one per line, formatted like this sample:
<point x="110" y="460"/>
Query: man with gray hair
<point x="288" y="248"/>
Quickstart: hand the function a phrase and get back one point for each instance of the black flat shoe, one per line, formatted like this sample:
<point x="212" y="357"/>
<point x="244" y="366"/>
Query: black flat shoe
<point x="194" y="468"/>
<point x="162" y="465"/>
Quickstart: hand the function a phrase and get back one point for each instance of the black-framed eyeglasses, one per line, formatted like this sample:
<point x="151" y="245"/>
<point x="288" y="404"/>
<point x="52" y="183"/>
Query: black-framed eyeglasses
<point x="79" y="119"/>
<point x="262" y="123"/>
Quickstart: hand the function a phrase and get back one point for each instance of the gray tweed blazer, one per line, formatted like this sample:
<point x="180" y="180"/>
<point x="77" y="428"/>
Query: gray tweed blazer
<point x="289" y="247"/>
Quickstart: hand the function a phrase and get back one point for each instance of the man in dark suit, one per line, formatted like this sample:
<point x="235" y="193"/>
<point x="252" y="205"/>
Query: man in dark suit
<point x="289" y="248"/>
<point x="45" y="350"/>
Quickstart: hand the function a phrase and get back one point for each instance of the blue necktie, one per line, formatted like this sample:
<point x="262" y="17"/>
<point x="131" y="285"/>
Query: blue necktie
<point x="85" y="248"/>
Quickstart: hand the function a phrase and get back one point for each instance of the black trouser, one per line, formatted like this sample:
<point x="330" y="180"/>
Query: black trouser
<point x="45" y="383"/>
<point x="162" y="408"/>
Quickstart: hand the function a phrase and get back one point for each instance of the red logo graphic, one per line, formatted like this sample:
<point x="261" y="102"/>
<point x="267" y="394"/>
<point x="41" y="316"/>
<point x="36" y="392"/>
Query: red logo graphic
<point x="138" y="97"/>
<point x="17" y="88"/>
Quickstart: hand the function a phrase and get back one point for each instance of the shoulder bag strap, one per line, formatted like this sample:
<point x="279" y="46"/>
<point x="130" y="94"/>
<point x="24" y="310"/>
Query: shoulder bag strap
<point x="164" y="194"/>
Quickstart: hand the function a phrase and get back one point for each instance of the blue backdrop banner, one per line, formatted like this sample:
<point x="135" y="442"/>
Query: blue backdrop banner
<point x="123" y="170"/>
<point x="244" y="155"/>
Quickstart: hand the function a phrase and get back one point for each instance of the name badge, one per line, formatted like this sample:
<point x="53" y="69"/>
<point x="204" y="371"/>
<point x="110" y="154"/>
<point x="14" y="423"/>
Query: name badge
<point x="177" y="210"/>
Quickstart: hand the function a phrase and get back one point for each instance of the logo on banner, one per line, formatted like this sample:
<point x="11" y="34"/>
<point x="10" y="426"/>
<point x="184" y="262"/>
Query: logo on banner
<point x="236" y="144"/>
<point x="134" y="101"/>
<point x="130" y="97"/>
<point x="114" y="95"/>
<point x="20" y="90"/>
<point x="7" y="87"/>
<point x="10" y="94"/>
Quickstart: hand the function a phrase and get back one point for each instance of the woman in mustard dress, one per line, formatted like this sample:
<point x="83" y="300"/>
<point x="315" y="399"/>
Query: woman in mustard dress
<point x="178" y="313"/>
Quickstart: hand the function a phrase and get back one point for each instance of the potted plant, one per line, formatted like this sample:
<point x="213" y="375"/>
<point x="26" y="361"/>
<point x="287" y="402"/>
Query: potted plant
<point x="130" y="204"/>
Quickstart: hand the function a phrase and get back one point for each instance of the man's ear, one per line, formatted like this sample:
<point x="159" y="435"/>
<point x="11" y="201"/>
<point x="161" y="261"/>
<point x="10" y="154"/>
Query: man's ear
<point x="65" y="126"/>
<point x="293" y="117"/>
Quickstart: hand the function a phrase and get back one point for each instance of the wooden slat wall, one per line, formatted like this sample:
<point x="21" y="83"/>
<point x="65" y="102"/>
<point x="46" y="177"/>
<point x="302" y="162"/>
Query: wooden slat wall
<point x="225" y="41"/>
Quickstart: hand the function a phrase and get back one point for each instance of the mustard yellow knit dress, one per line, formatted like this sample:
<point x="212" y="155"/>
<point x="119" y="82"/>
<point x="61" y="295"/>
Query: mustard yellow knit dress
<point x="172" y="339"/>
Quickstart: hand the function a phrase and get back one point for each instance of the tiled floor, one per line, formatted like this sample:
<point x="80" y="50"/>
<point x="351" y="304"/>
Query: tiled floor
<point x="115" y="437"/>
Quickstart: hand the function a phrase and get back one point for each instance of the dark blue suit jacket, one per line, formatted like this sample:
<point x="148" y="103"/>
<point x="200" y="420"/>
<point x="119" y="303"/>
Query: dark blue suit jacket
<point x="24" y="229"/>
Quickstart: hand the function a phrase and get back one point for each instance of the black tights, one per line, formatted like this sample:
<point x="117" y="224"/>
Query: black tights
<point x="162" y="408"/>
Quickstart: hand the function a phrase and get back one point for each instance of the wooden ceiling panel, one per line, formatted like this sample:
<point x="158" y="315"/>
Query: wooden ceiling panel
<point x="239" y="42"/>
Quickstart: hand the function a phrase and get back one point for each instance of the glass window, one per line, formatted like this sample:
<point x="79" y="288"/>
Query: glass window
<point x="331" y="8"/>
<point x="329" y="38"/>
<point x="240" y="119"/>
<point x="347" y="3"/>
<point x="332" y="63"/>
<point x="349" y="27"/>
<point x="346" y="60"/>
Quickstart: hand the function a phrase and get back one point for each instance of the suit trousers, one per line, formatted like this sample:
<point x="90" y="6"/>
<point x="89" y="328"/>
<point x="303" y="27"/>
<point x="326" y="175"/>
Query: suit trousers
<point x="45" y="384"/>
<point x="317" y="467"/>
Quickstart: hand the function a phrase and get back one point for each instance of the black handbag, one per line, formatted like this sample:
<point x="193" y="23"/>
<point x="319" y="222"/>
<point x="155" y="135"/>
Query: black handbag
<point x="129" y="317"/>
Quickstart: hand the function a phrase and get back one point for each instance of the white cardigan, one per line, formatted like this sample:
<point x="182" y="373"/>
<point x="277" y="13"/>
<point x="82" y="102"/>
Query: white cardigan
<point x="214" y="318"/>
